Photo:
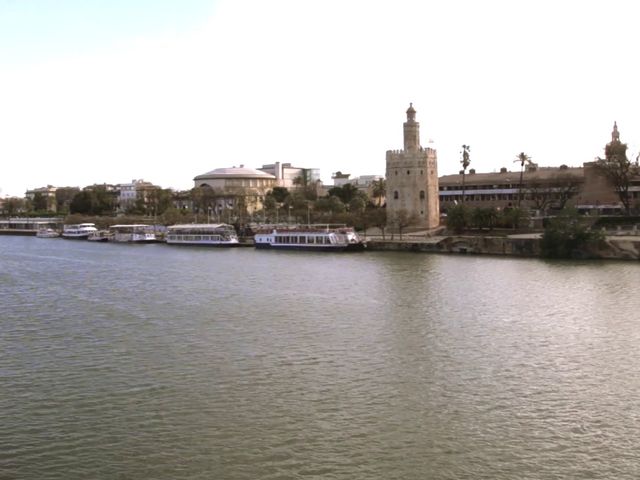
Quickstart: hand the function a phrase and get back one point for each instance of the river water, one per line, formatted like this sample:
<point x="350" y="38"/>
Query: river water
<point x="161" y="362"/>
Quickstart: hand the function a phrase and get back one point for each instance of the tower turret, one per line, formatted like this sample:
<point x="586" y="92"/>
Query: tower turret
<point x="615" y="135"/>
<point x="411" y="131"/>
<point x="615" y="147"/>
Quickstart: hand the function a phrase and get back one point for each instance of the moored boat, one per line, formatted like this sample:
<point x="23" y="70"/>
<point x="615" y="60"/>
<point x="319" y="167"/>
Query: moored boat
<point x="100" y="236"/>
<point x="203" y="234"/>
<point x="47" y="233"/>
<point x="80" y="231"/>
<point x="309" y="237"/>
<point x="135" y="233"/>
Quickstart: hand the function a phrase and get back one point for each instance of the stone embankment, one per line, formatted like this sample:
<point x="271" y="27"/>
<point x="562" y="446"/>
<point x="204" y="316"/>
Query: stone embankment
<point x="527" y="245"/>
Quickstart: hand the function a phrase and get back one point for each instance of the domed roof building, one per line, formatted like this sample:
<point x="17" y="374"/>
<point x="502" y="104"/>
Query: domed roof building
<point x="240" y="172"/>
<point x="238" y="189"/>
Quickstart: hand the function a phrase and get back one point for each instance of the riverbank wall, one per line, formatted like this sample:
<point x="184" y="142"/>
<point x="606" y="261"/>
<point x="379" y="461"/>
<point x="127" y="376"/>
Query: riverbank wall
<point x="615" y="248"/>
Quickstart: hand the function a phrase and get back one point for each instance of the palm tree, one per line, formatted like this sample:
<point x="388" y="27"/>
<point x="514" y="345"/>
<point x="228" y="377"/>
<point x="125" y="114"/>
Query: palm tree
<point x="465" y="163"/>
<point x="379" y="190"/>
<point x="522" y="158"/>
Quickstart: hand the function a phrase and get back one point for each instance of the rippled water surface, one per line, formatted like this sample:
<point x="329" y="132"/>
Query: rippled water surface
<point x="160" y="362"/>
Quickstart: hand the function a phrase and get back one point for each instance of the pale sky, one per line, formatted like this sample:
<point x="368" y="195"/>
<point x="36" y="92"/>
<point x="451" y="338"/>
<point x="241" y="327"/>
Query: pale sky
<point x="106" y="91"/>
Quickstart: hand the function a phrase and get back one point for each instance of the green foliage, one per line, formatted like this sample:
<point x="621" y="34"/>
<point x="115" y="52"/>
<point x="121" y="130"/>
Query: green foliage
<point x="64" y="196"/>
<point x="458" y="218"/>
<point x="569" y="236"/>
<point x="204" y="199"/>
<point x="154" y="201"/>
<point x="378" y="218"/>
<point x="379" y="190"/>
<point x="279" y="194"/>
<point x="93" y="201"/>
<point x="39" y="202"/>
<point x="357" y="205"/>
<point x="514" y="218"/>
<point x="13" y="206"/>
<point x="461" y="218"/>
<point x="345" y="193"/>
<point x="330" y="204"/>
<point x="484" y="218"/>
<point x="614" y="221"/>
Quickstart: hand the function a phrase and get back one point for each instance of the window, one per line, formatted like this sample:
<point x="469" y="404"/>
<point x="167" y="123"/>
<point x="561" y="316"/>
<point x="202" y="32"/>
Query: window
<point x="395" y="195"/>
<point x="421" y="194"/>
<point x="408" y="172"/>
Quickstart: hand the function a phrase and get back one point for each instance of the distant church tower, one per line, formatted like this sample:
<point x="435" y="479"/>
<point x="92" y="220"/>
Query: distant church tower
<point x="412" y="179"/>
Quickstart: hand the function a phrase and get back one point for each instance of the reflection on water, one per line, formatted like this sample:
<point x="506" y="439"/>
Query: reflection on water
<point x="123" y="361"/>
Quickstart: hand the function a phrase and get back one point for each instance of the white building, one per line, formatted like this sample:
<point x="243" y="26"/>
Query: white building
<point x="286" y="174"/>
<point x="237" y="186"/>
<point x="128" y="193"/>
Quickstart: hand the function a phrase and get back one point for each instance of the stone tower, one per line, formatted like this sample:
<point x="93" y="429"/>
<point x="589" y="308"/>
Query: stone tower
<point x="412" y="179"/>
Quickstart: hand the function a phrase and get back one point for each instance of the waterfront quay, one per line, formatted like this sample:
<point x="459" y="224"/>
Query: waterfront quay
<point x="615" y="247"/>
<point x="619" y="245"/>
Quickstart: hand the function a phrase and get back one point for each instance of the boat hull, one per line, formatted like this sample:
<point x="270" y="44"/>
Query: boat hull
<point x="354" y="247"/>
<point x="75" y="237"/>
<point x="204" y="244"/>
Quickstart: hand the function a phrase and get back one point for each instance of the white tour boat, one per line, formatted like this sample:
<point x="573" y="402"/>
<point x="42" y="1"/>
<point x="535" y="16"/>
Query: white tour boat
<point x="135" y="233"/>
<point x="100" y="236"/>
<point x="47" y="233"/>
<point x="80" y="231"/>
<point x="310" y="237"/>
<point x="203" y="234"/>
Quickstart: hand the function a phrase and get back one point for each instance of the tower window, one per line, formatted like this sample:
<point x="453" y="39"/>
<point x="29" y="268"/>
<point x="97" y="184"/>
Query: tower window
<point x="396" y="172"/>
<point x="421" y="194"/>
<point x="408" y="172"/>
<point x="395" y="195"/>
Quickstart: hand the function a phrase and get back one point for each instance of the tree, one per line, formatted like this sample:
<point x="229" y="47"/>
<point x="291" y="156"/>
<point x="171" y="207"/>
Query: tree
<point x="458" y="218"/>
<point x="378" y="218"/>
<point x="346" y="192"/>
<point x="39" y="202"/>
<point x="83" y="203"/>
<point x="484" y="218"/>
<point x="465" y="164"/>
<point x="205" y="199"/>
<point x="379" y="190"/>
<point x="154" y="201"/>
<point x="95" y="200"/>
<point x="568" y="236"/>
<point x="279" y="194"/>
<point x="514" y="217"/>
<point x="522" y="158"/>
<point x="330" y="206"/>
<point x="553" y="193"/>
<point x="12" y="206"/>
<point x="357" y="205"/>
<point x="402" y="219"/>
<point x="617" y="168"/>
<point x="566" y="188"/>
<point x="64" y="195"/>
